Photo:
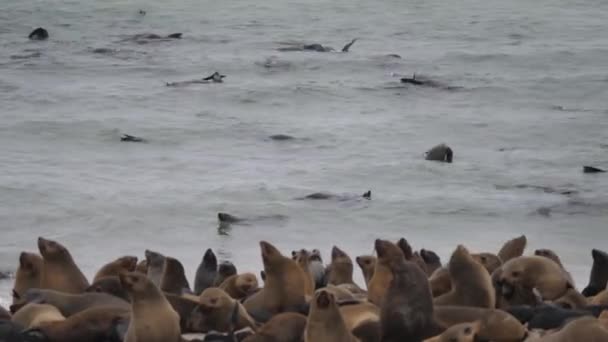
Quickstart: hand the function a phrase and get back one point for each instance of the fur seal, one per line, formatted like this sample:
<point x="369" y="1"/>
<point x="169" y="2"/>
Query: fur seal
<point x="59" y="271"/>
<point x="214" y="312"/>
<point x="441" y="152"/>
<point x="113" y="269"/>
<point x="495" y="325"/>
<point x="284" y="287"/>
<point x="39" y="34"/>
<point x="580" y="329"/>
<point x="69" y="304"/>
<point x="284" y="327"/>
<point x="29" y="274"/>
<point x="440" y="282"/>
<point x="534" y="272"/>
<point x="341" y="268"/>
<point x="471" y="282"/>
<point x="410" y="255"/>
<point x="109" y="285"/>
<point x="152" y="317"/>
<point x="317" y="270"/>
<point x="33" y="315"/>
<point x="185" y="308"/>
<point x="572" y="299"/>
<point x="367" y="263"/>
<point x="513" y="248"/>
<point x="132" y="138"/>
<point x="206" y="272"/>
<point x="490" y="261"/>
<point x="224" y="271"/>
<point x="325" y="196"/>
<point x="173" y="279"/>
<point x="227" y="218"/>
<point x="599" y="273"/>
<point x="216" y="77"/>
<point x="240" y="286"/>
<point x="94" y="324"/>
<point x="431" y="259"/>
<point x="407" y="310"/>
<point x="592" y="169"/>
<point x="156" y="263"/>
<point x="382" y="277"/>
<point x="325" y="322"/>
<point x="303" y="260"/>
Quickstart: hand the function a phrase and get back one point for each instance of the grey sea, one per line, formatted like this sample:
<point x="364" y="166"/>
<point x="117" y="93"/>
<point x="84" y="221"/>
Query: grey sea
<point x="522" y="102"/>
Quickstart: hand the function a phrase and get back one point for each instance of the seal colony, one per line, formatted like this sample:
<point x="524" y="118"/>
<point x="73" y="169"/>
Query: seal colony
<point x="508" y="295"/>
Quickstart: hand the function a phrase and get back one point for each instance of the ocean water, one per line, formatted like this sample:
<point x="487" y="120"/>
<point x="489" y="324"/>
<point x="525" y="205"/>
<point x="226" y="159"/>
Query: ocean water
<point x="524" y="108"/>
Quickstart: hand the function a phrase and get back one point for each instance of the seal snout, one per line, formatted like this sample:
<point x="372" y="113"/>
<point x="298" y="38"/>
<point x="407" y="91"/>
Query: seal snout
<point x="323" y="299"/>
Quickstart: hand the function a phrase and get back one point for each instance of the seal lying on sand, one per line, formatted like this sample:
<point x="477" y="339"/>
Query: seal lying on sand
<point x="315" y="47"/>
<point x="216" y="77"/>
<point x="39" y="34"/>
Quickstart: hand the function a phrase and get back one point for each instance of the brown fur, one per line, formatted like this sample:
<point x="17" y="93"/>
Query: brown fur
<point x="302" y="259"/>
<point x="440" y="281"/>
<point x="284" y="287"/>
<point x="341" y="268"/>
<point x="410" y="255"/>
<point x="142" y="267"/>
<point x="367" y="263"/>
<point x="463" y="332"/>
<point x="32" y="315"/>
<point x="490" y="261"/>
<point x="29" y="274"/>
<point x="471" y="282"/>
<point x="572" y="299"/>
<point x="535" y="272"/>
<point x="240" y="286"/>
<point x="382" y="277"/>
<point x="586" y="329"/>
<point x="513" y="248"/>
<point x="114" y="268"/>
<point x="59" y="271"/>
<point x="325" y="322"/>
<point x="109" y="285"/>
<point x="599" y="299"/>
<point x="355" y="315"/>
<point x="215" y="312"/>
<point x="173" y="279"/>
<point x="152" y="316"/>
<point x="285" y="327"/>
<point x="184" y="307"/>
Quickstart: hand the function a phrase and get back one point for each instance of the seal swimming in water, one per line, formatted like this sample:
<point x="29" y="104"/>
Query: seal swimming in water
<point x="216" y="77"/>
<point x="325" y="196"/>
<point x="39" y="34"/>
<point x="316" y="47"/>
<point x="441" y="152"/>
<point x="592" y="169"/>
<point x="131" y="138"/>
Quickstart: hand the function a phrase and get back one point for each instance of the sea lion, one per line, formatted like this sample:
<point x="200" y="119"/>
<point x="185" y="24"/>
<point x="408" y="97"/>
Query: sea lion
<point x="315" y="266"/>
<point x="440" y="281"/>
<point x="156" y="263"/>
<point x="240" y="286"/>
<point x="173" y="279"/>
<point x="592" y="169"/>
<point x="356" y="315"/>
<point x="206" y="272"/>
<point x="431" y="259"/>
<point x="380" y="281"/>
<point x="33" y="315"/>
<point x="547" y="253"/>
<point x="142" y="267"/>
<point x="341" y="268"/>
<point x="513" y="248"/>
<point x="214" y="312"/>
<point x="59" y="271"/>
<point x="225" y="270"/>
<point x="599" y="273"/>
<point x="284" y="327"/>
<point x="39" y="34"/>
<point x="490" y="261"/>
<point x="407" y="310"/>
<point x="341" y="293"/>
<point x="325" y="322"/>
<point x="284" y="287"/>
<point x="534" y="272"/>
<point x="28" y="275"/>
<point x="441" y="152"/>
<point x="471" y="282"/>
<point x="109" y="285"/>
<point x="410" y="255"/>
<point x="94" y="324"/>
<point x="316" y="47"/>
<point x="303" y="261"/>
<point x="513" y="294"/>
<point x="132" y="138"/>
<point x="326" y="196"/>
<point x="70" y="304"/>
<point x="367" y="263"/>
<point x="216" y="77"/>
<point x="152" y="317"/>
<point x="114" y="268"/>
<point x="580" y="329"/>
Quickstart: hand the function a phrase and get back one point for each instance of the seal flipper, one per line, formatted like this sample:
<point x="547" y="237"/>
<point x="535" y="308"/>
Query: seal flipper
<point x="347" y="46"/>
<point x="367" y="195"/>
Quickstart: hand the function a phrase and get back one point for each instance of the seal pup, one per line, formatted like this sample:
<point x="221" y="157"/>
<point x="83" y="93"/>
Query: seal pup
<point x="407" y="310"/>
<point x="284" y="286"/>
<point x="599" y="273"/>
<point x="59" y="271"/>
<point x="471" y="282"/>
<point x="206" y="272"/>
<point x="325" y="322"/>
<point x="132" y="138"/>
<point x="173" y="279"/>
<point x="28" y="275"/>
<point x="152" y="316"/>
<point x="156" y="263"/>
<point x="441" y="152"/>
<point x="39" y="34"/>
<point x="591" y="169"/>
<point x="33" y="315"/>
